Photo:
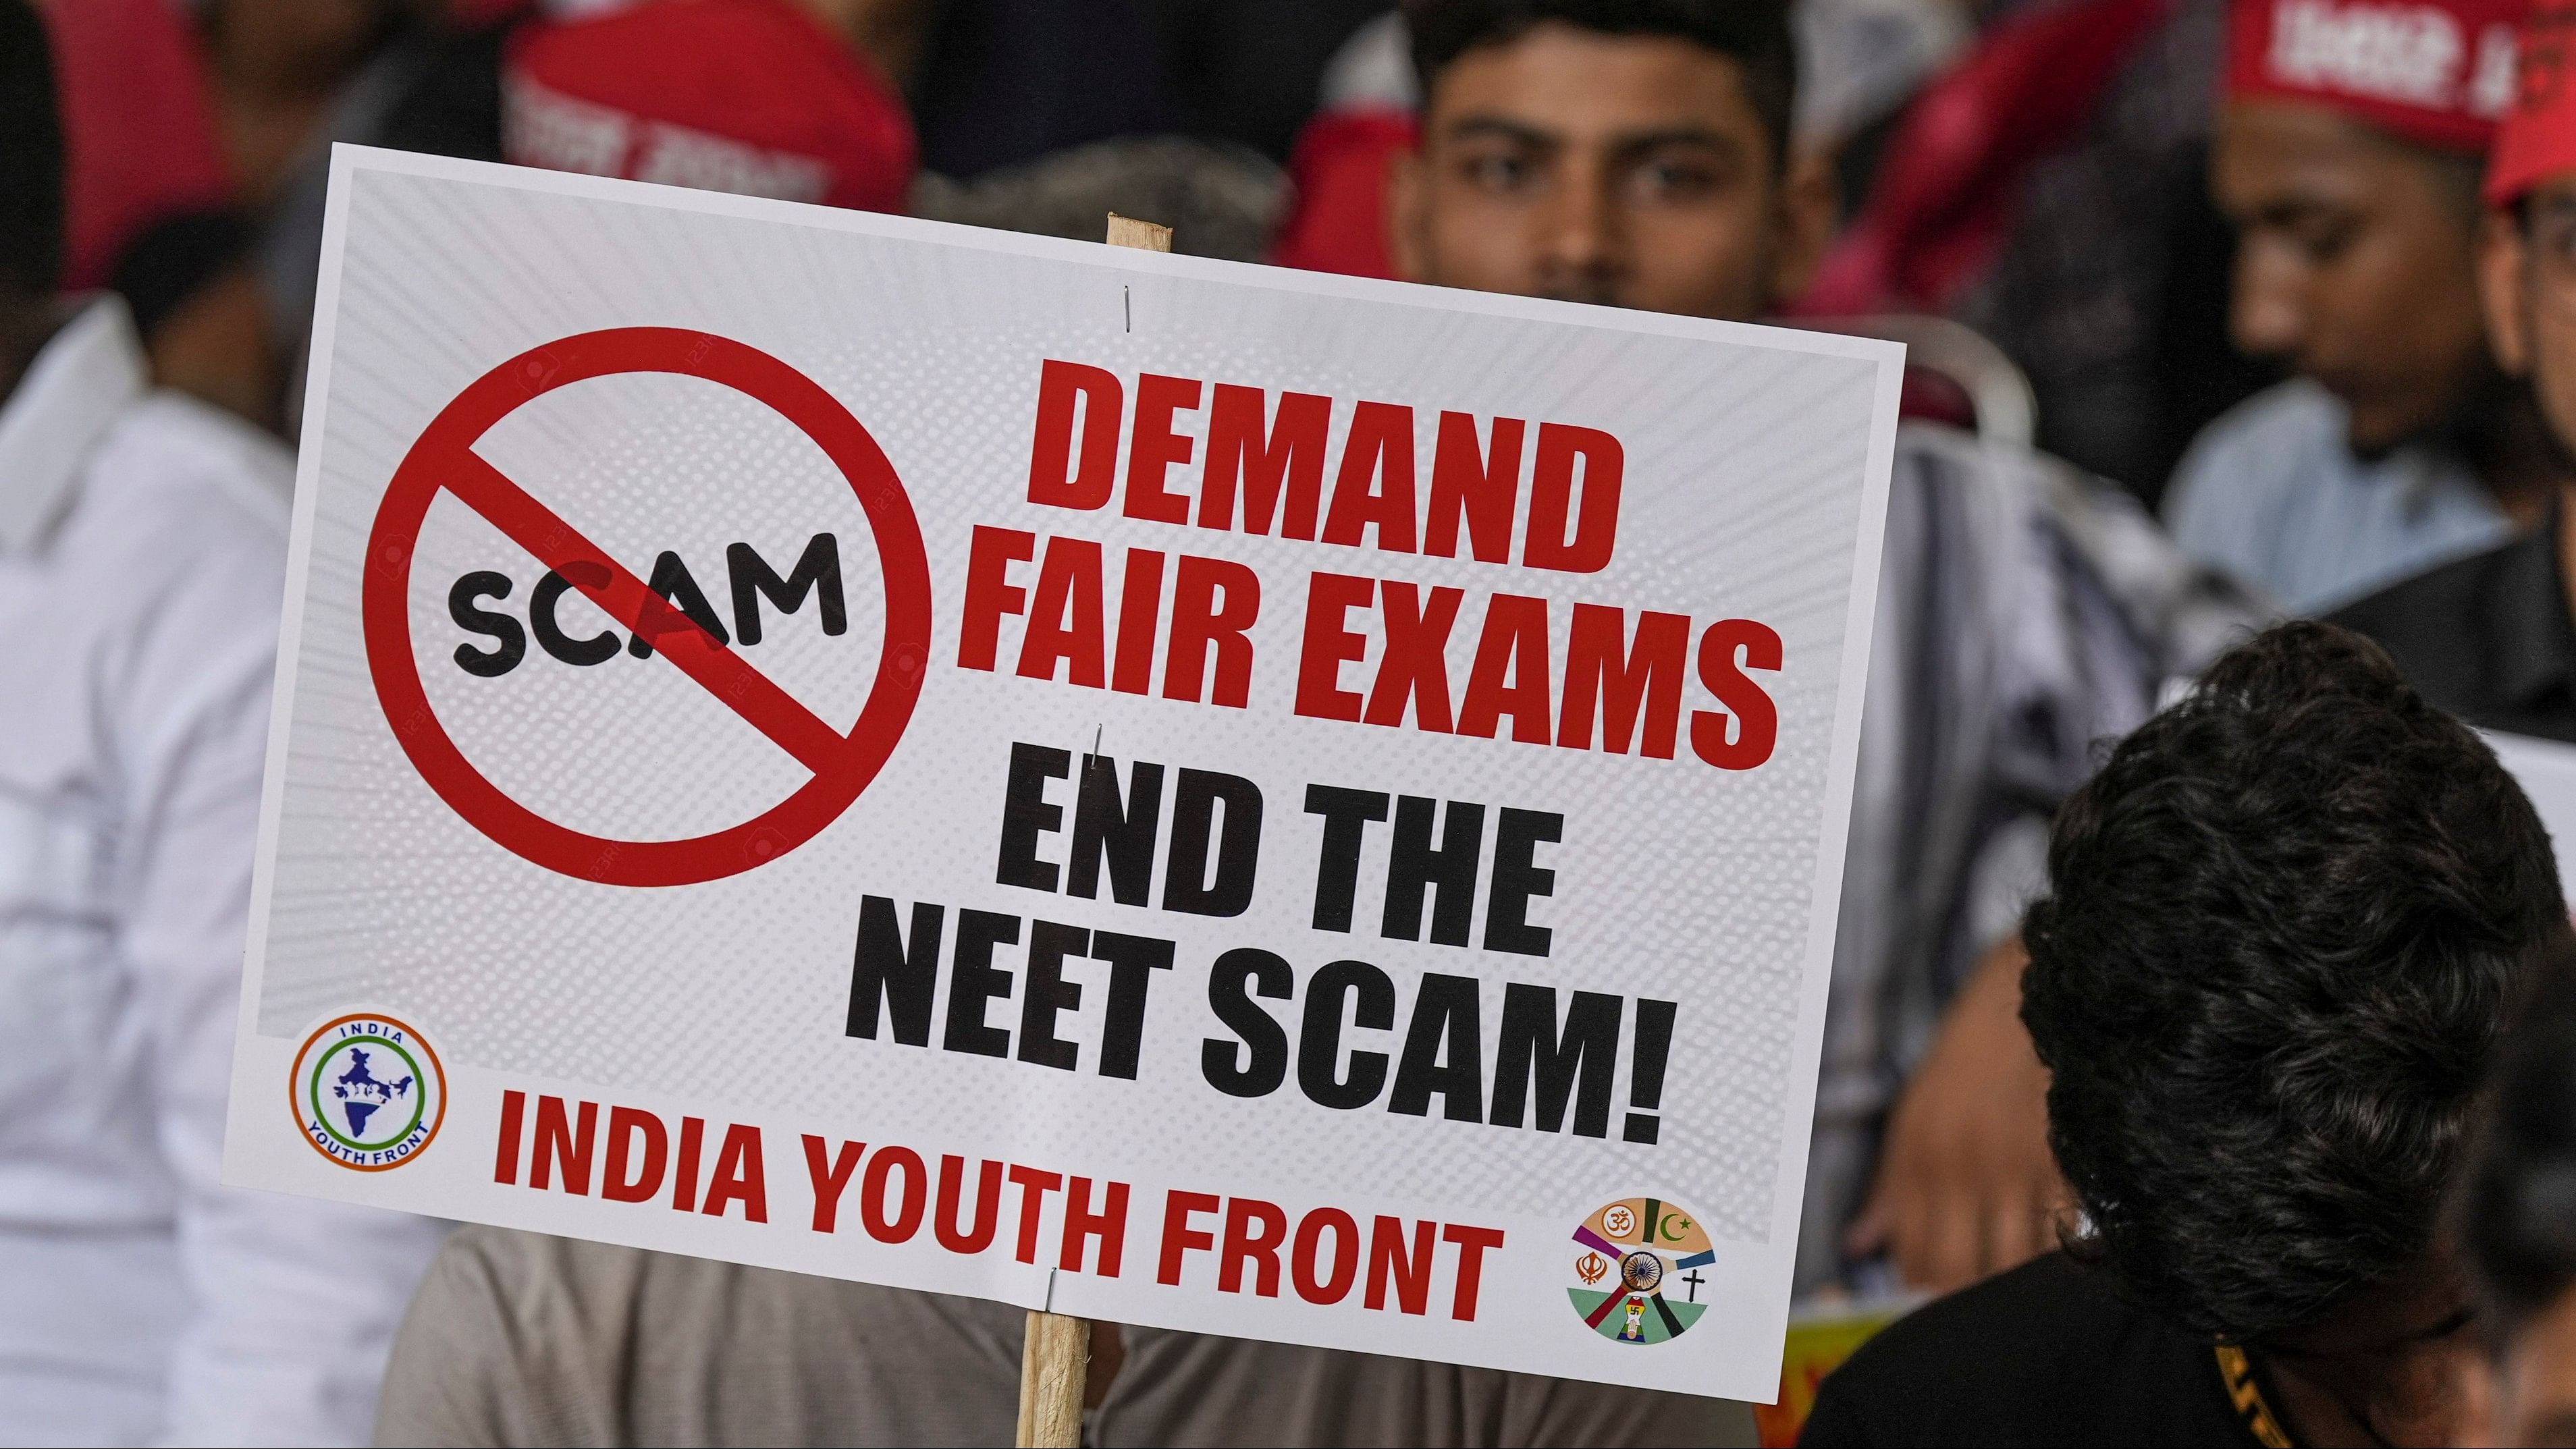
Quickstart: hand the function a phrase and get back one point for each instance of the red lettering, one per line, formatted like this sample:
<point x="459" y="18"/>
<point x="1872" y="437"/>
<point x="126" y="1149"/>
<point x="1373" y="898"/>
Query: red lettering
<point x="505" y="1157"/>
<point x="739" y="1176"/>
<point x="1599" y="666"/>
<point x="1379" y="451"/>
<point x="1140" y="604"/>
<point x="1054" y="479"/>
<point x="556" y="1144"/>
<point x="1596" y="527"/>
<point x="1282" y="474"/>
<point x="1178" y="1236"/>
<point x="684" y="1181"/>
<point x="1254" y="1231"/>
<point x="1484" y="488"/>
<point x="1200" y="623"/>
<point x="988" y="1205"/>
<point x="624" y="1123"/>
<point x="1730" y="647"/>
<point x="905" y="1220"/>
<point x="1109" y="1225"/>
<point x="1329" y="644"/>
<point x="1472" y="1243"/>
<point x="1153" y="447"/>
<point x="1346" y="1256"/>
<point x="1510" y="673"/>
<point x="1409" y="1271"/>
<point x="1034" y="1186"/>
<point x="990" y="593"/>
<point x="830" y="1178"/>
<point x="1065" y="625"/>
<point x="1416" y="664"/>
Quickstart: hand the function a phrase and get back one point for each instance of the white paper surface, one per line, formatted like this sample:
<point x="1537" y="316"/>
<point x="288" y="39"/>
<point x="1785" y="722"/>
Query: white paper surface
<point x="1754" y="473"/>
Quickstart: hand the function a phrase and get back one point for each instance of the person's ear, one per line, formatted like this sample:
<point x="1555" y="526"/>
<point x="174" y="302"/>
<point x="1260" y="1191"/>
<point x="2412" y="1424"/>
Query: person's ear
<point x="2504" y="292"/>
<point x="1808" y="212"/>
<point x="1408" y="215"/>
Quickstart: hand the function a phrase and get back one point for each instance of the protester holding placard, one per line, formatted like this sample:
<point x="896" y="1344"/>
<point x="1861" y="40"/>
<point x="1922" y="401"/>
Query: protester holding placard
<point x="1636" y="156"/>
<point x="141" y="542"/>
<point x="2490" y="636"/>
<point x="2282" y="926"/>
<point x="2351" y="176"/>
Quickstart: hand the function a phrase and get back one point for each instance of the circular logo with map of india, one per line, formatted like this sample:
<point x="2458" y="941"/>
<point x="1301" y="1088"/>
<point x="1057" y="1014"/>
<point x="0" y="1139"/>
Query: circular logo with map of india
<point x="368" y="1092"/>
<point x="1636" y="1270"/>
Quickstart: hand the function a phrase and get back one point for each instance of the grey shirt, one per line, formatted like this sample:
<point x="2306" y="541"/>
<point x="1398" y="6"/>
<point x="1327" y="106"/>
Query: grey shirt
<point x="2273" y="495"/>
<point x="523" y="1339"/>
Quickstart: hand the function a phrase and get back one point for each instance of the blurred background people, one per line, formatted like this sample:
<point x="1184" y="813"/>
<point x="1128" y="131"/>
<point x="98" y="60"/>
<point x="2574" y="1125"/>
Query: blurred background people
<point x="2351" y="176"/>
<point x="142" y="541"/>
<point x="2515" y="1221"/>
<point x="2281" y="928"/>
<point x="2490" y="637"/>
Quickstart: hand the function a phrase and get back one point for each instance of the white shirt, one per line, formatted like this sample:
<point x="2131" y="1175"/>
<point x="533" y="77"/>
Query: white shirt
<point x="2274" y="496"/>
<point x="142" y="547"/>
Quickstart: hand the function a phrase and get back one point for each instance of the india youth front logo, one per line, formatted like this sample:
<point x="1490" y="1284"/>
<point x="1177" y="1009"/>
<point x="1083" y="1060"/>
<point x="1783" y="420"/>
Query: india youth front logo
<point x="1637" y="1279"/>
<point x="368" y="1092"/>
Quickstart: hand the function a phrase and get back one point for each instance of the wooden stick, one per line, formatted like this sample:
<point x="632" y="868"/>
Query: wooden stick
<point x="1055" y="1362"/>
<point x="1127" y="231"/>
<point x="1055" y="1357"/>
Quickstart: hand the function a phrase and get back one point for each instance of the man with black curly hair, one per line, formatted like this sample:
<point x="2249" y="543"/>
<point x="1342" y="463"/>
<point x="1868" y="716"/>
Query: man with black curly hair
<point x="2282" y="925"/>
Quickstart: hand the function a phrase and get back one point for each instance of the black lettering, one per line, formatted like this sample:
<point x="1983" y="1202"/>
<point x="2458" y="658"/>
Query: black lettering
<point x="1196" y="801"/>
<point x="681" y="598"/>
<point x="548" y="595"/>
<point x="1517" y="877"/>
<point x="1133" y="960"/>
<point x="974" y="980"/>
<point x="1122" y="832"/>
<point x="1413" y="863"/>
<point x="1587" y="1052"/>
<point x="1445" y="1011"/>
<point x="1646" y="1070"/>
<point x="1026" y="815"/>
<point x="904" y="976"/>
<point x="1347" y="814"/>
<point x="817" y="572"/>
<point x="1255" y="1065"/>
<point x="1319" y="1043"/>
<point x="463" y="605"/>
<point x="1046" y="995"/>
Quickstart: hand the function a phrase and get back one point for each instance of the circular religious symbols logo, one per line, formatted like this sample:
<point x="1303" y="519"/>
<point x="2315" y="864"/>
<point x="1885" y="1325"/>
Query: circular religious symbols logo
<point x="1637" y="1278"/>
<point x="842" y="763"/>
<point x="368" y="1092"/>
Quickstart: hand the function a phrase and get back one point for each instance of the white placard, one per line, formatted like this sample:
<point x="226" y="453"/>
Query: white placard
<point x="1001" y="867"/>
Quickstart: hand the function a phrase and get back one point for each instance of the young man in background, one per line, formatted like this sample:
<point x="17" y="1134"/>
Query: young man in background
<point x="2351" y="175"/>
<point x="142" y="548"/>
<point x="2490" y="637"/>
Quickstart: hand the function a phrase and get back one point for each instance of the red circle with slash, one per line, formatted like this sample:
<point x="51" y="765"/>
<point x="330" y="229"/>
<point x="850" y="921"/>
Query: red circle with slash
<point x="843" y="764"/>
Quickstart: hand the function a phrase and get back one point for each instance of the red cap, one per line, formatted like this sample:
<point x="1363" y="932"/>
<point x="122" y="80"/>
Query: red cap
<point x="2538" y="138"/>
<point x="2436" y="72"/>
<point x="748" y="96"/>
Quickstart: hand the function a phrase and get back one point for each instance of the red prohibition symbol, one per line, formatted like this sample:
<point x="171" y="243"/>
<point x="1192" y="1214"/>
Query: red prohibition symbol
<point x="842" y="764"/>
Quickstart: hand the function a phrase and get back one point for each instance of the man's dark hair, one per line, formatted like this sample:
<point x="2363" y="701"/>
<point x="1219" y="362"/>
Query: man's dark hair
<point x="31" y="157"/>
<point x="2282" y="925"/>
<point x="2517" y="1205"/>
<point x="1754" y="33"/>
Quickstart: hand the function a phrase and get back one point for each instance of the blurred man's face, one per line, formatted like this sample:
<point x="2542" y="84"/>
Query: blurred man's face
<point x="2528" y="1395"/>
<point x="2355" y="264"/>
<point x="1627" y="170"/>
<point x="2528" y="279"/>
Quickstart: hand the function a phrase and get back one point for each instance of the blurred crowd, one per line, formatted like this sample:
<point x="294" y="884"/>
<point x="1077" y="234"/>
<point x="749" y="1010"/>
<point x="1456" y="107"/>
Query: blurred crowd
<point x="2225" y="1080"/>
